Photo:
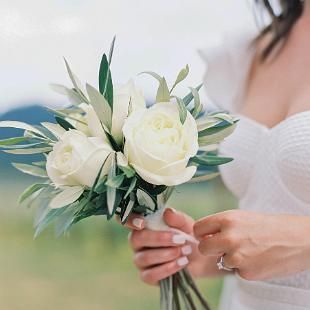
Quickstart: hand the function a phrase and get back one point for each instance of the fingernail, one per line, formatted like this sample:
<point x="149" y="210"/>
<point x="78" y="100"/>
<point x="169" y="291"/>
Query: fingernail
<point x="187" y="250"/>
<point x="172" y="210"/>
<point x="178" y="239"/>
<point x="137" y="222"/>
<point x="182" y="261"/>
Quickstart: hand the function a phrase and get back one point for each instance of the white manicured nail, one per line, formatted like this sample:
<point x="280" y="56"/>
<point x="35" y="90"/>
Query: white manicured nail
<point x="187" y="250"/>
<point x="178" y="239"/>
<point x="137" y="222"/>
<point x="182" y="261"/>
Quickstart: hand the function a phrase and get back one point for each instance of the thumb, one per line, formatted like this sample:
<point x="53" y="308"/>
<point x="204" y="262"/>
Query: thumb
<point x="179" y="220"/>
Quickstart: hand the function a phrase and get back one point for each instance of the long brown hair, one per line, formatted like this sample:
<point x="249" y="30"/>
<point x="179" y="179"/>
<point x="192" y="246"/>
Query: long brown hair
<point x="281" y="24"/>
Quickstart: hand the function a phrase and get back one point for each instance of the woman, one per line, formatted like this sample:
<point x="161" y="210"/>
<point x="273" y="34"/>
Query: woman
<point x="267" y="242"/>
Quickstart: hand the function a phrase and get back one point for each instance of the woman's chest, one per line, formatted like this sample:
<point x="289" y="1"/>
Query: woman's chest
<point x="269" y="162"/>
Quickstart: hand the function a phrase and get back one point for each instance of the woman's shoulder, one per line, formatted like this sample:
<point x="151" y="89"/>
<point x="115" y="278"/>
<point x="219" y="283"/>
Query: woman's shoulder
<point x="228" y="60"/>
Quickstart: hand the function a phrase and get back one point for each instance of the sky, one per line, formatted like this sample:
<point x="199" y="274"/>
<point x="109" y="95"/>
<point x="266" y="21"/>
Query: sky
<point x="160" y="36"/>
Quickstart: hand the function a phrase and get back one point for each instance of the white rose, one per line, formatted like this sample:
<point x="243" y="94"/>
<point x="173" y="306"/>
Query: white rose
<point x="159" y="147"/>
<point x="127" y="98"/>
<point x="76" y="159"/>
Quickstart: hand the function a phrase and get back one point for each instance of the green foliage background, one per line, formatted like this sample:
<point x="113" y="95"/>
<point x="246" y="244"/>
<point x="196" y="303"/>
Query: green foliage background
<point x="92" y="267"/>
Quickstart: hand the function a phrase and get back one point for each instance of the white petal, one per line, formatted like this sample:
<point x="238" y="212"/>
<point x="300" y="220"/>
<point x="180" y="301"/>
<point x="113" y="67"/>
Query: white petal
<point x="173" y="180"/>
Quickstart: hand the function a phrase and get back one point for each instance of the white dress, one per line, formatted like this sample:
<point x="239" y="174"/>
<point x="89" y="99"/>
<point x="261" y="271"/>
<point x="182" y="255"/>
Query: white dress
<point x="270" y="172"/>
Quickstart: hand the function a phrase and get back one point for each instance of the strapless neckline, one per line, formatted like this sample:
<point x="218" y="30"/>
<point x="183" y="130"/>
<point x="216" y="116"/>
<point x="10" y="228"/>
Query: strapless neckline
<point x="278" y="125"/>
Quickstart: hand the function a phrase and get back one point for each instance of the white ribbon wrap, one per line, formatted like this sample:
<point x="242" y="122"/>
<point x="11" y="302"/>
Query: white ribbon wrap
<point x="156" y="222"/>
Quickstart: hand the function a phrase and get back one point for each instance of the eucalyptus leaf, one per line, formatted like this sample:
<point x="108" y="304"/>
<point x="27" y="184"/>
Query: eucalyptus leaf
<point x="32" y="170"/>
<point x="116" y="181"/>
<point x="55" y="129"/>
<point x="189" y="97"/>
<point x="210" y="160"/>
<point x="24" y="146"/>
<point x="74" y="96"/>
<point x="63" y="123"/>
<point x="163" y="94"/>
<point x="181" y="77"/>
<point x="100" y="105"/>
<point x="128" y="171"/>
<point x="29" y="151"/>
<point x="145" y="199"/>
<point x="131" y="187"/>
<point x="31" y="190"/>
<point x="153" y="74"/>
<point x="105" y="80"/>
<point x="128" y="210"/>
<point x="20" y="125"/>
<point x="215" y="136"/>
<point x="203" y="178"/>
<point x="197" y="105"/>
<point x="111" y="191"/>
<point x="13" y="141"/>
<point x="76" y="83"/>
<point x="66" y="197"/>
<point x="182" y="110"/>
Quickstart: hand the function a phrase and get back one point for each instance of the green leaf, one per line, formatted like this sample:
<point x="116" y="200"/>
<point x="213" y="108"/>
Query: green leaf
<point x="181" y="77"/>
<point x="111" y="50"/>
<point x="128" y="171"/>
<point x="111" y="191"/>
<point x="73" y="95"/>
<point x="197" y="105"/>
<point x="224" y="117"/>
<point x="13" y="141"/>
<point x="63" y="123"/>
<point x="153" y="74"/>
<point x="34" y="188"/>
<point x="66" y="197"/>
<point x="76" y="83"/>
<point x="204" y="178"/>
<point x="32" y="170"/>
<point x="105" y="80"/>
<point x="24" y="146"/>
<point x="101" y="187"/>
<point x="116" y="181"/>
<point x="131" y="187"/>
<point x="163" y="94"/>
<point x="215" y="135"/>
<point x="100" y="105"/>
<point x="29" y="151"/>
<point x="189" y="97"/>
<point x="144" y="199"/>
<point x="128" y="209"/>
<point x="211" y="160"/>
<point x="39" y="163"/>
<point x="182" y="110"/>
<point x="20" y="125"/>
<point x="55" y="129"/>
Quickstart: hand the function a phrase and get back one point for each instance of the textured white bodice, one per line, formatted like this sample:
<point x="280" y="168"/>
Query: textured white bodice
<point x="271" y="168"/>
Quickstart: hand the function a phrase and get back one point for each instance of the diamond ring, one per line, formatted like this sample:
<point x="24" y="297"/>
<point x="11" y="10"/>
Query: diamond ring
<point x="221" y="265"/>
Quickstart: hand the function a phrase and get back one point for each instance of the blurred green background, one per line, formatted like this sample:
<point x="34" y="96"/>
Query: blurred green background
<point x="91" y="268"/>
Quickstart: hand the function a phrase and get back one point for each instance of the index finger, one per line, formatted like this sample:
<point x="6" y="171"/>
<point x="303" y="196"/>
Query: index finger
<point x="208" y="225"/>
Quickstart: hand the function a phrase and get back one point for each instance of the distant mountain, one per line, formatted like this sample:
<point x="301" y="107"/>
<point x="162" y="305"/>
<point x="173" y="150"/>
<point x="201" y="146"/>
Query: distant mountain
<point x="33" y="114"/>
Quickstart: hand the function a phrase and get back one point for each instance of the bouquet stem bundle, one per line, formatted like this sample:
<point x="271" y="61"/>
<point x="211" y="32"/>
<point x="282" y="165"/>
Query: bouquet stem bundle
<point x="179" y="289"/>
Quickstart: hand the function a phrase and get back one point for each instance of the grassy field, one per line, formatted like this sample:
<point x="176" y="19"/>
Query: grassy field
<point x="89" y="269"/>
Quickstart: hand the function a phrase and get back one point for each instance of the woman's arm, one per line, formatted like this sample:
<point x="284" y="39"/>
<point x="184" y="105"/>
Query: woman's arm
<point x="259" y="246"/>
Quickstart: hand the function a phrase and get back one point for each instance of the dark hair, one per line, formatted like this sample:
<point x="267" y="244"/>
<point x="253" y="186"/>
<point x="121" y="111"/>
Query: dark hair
<point x="281" y="24"/>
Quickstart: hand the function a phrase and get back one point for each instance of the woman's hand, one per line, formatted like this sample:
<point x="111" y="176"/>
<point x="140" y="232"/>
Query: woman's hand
<point x="157" y="254"/>
<point x="258" y="246"/>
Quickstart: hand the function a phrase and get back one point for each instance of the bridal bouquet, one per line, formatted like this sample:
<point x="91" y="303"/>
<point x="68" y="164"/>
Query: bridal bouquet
<point x="110" y="154"/>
